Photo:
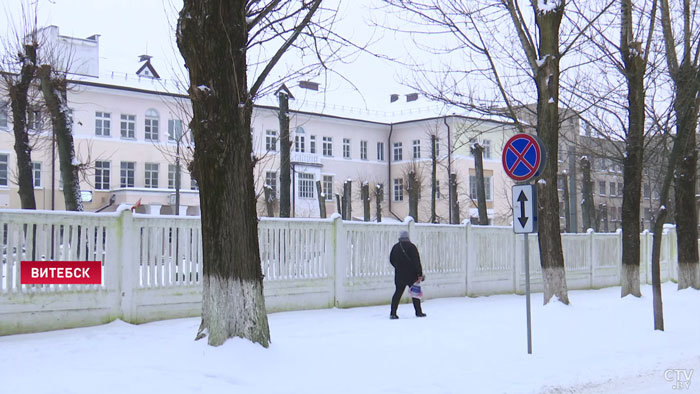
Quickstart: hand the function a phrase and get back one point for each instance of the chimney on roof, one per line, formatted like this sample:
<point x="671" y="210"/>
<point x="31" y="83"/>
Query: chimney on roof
<point x="308" y="85"/>
<point x="393" y="98"/>
<point x="411" y="97"/>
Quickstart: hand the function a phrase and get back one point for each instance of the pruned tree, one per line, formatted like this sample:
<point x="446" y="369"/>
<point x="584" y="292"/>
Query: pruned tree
<point x="477" y="151"/>
<point x="685" y="75"/>
<point x="54" y="88"/>
<point x="321" y="200"/>
<point x="18" y="69"/>
<point x="285" y="152"/>
<point x="587" y="205"/>
<point x="215" y="38"/>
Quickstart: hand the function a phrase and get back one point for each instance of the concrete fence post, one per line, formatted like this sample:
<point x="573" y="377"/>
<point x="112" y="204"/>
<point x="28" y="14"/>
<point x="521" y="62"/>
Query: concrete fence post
<point x="591" y="253"/>
<point x="339" y="259"/>
<point x="127" y="259"/>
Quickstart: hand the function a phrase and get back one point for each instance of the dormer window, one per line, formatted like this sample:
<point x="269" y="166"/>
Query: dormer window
<point x="146" y="69"/>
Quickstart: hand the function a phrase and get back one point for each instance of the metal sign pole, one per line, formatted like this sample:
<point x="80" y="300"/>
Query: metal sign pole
<point x="526" y="251"/>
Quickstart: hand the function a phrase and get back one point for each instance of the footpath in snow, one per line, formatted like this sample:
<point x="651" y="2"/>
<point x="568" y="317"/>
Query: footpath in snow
<point x="598" y="344"/>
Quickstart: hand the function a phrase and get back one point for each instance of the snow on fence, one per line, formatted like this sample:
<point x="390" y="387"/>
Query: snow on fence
<point x="152" y="265"/>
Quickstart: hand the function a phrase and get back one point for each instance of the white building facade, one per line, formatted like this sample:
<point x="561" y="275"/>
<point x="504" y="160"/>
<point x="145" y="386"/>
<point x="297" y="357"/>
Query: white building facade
<point x="127" y="126"/>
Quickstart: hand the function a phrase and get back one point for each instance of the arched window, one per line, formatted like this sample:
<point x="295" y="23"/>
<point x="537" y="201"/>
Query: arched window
<point x="151" y="125"/>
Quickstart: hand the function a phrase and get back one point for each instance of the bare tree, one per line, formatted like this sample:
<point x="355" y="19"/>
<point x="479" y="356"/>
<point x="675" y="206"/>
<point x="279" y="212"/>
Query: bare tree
<point x="54" y="88"/>
<point x="18" y="87"/>
<point x="215" y="37"/>
<point x="285" y="152"/>
<point x="686" y="82"/>
<point x="477" y="151"/>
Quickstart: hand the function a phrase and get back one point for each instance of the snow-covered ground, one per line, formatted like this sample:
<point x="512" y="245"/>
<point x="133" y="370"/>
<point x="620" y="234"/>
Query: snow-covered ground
<point x="599" y="344"/>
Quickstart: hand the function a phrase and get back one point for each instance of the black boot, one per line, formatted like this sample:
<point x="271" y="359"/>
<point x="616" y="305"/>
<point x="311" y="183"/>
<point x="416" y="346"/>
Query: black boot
<point x="417" y="307"/>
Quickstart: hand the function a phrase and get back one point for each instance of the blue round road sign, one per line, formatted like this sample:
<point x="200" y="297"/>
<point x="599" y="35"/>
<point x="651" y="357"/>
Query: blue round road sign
<point x="523" y="157"/>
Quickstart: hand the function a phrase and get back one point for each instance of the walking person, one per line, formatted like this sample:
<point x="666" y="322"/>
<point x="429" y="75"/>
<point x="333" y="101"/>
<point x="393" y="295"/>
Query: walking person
<point x="407" y="271"/>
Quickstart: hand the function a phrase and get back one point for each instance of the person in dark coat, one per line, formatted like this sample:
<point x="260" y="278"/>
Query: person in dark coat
<point x="407" y="270"/>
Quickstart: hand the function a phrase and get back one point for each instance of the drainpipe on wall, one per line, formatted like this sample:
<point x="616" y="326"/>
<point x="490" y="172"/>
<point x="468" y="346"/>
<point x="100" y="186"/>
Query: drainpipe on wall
<point x="391" y="185"/>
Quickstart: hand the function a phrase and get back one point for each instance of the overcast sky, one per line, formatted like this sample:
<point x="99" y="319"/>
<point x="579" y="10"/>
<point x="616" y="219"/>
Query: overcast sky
<point x="129" y="28"/>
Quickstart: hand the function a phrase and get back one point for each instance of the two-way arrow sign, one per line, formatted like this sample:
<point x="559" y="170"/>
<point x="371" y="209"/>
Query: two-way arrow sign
<point x="524" y="209"/>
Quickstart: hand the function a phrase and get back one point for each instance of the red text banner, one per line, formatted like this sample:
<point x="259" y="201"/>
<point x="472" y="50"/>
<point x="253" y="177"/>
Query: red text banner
<point x="61" y="273"/>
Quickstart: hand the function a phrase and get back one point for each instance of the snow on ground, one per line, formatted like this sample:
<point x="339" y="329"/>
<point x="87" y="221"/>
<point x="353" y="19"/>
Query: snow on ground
<point x="599" y="344"/>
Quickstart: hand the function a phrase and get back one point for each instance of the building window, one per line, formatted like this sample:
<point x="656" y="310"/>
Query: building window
<point x="346" y="148"/>
<point x="126" y="173"/>
<point x="102" y="174"/>
<point x="306" y="185"/>
<point x="613" y="192"/>
<point x="299" y="144"/>
<point x="312" y="144"/>
<point x="151" y="125"/>
<point x="601" y="187"/>
<point x="3" y="169"/>
<point x="380" y="151"/>
<point x="398" y="151"/>
<point x="103" y="123"/>
<point x="193" y="183"/>
<point x="363" y="150"/>
<point x="646" y="190"/>
<point x="271" y="181"/>
<point x="473" y="189"/>
<point x="328" y="146"/>
<point x="34" y="119"/>
<point x="620" y="189"/>
<point x="486" y="144"/>
<point x="174" y="129"/>
<point x="128" y="126"/>
<point x="398" y="189"/>
<point x="172" y="169"/>
<point x="3" y="114"/>
<point x="271" y="140"/>
<point x="151" y="175"/>
<point x="328" y="187"/>
<point x="416" y="149"/>
<point x="36" y="173"/>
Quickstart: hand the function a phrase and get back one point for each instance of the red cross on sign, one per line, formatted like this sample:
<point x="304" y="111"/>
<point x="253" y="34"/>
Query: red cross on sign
<point x="523" y="157"/>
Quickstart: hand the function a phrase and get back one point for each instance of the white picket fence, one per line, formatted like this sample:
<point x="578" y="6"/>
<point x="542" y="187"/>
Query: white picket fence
<point x="152" y="265"/>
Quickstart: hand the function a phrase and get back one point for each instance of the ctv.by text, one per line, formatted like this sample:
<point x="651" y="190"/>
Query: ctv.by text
<point x="679" y="377"/>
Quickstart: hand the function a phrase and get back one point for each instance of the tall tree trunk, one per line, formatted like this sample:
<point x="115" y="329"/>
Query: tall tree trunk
<point x="588" y="218"/>
<point x="285" y="152"/>
<point x="635" y="67"/>
<point x="212" y="37"/>
<point x="321" y="200"/>
<point x="686" y="79"/>
<point x="347" y="200"/>
<point x="339" y="206"/>
<point x="54" y="91"/>
<point x="477" y="151"/>
<point x="379" y="198"/>
<point x="455" y="203"/>
<point x="566" y="198"/>
<point x="19" y="103"/>
<point x="572" y="202"/>
<point x="433" y="179"/>
<point x="413" y="191"/>
<point x="365" y="201"/>
<point x="269" y="201"/>
<point x="543" y="58"/>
